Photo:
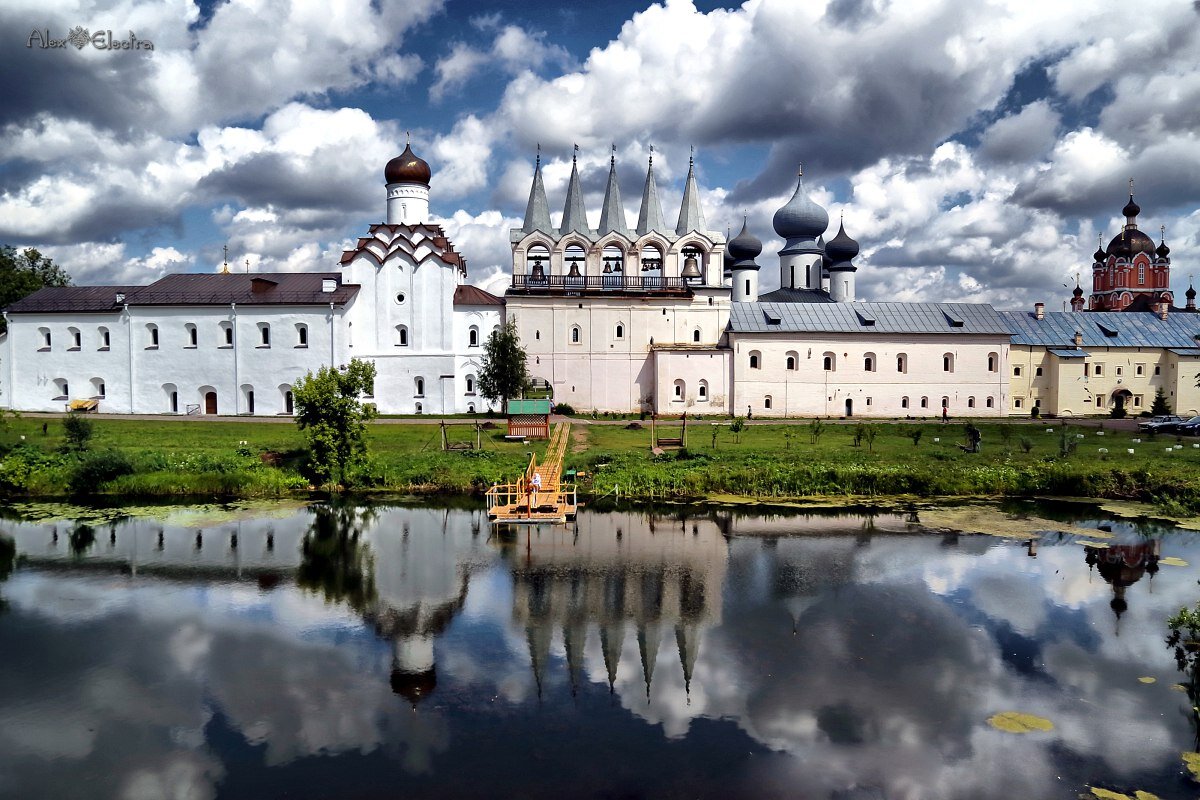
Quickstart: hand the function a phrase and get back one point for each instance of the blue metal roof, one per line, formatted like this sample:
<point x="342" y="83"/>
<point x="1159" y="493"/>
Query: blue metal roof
<point x="1103" y="329"/>
<point x="877" y="318"/>
<point x="1069" y="353"/>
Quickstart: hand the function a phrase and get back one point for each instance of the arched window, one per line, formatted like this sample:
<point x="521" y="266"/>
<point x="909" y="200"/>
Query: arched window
<point x="901" y="363"/>
<point x="1037" y="372"/>
<point x="575" y="264"/>
<point x="151" y="336"/>
<point x="420" y="387"/>
<point x="947" y="362"/>
<point x="105" y="339"/>
<point x="1141" y="274"/>
<point x="98" y="388"/>
<point x="289" y="402"/>
<point x="264" y="334"/>
<point x="537" y="335"/>
<point x="76" y="339"/>
<point x="924" y="402"/>
<point x="989" y="403"/>
<point x="537" y="262"/>
<point x="193" y="336"/>
<point x="755" y="359"/>
<point x="227" y="334"/>
<point x="576" y="334"/>
<point x="61" y="388"/>
<point x="970" y="402"/>
<point x="829" y="362"/>
<point x="792" y="361"/>
<point x="702" y="390"/>
<point x="470" y="384"/>
<point x="945" y="402"/>
<point x="248" y="398"/>
<point x="904" y="402"/>
<point x="767" y="401"/>
<point x="171" y="394"/>
<point x="45" y="334"/>
<point x="401" y="336"/>
<point x="619" y="332"/>
<point x="420" y="409"/>
<point x="470" y="408"/>
<point x="869" y="362"/>
<point x="301" y="335"/>
<point x="696" y="336"/>
<point x="473" y="337"/>
<point x="680" y="391"/>
<point x="993" y="362"/>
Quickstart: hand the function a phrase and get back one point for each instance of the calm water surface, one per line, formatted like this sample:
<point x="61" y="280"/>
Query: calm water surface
<point x="384" y="651"/>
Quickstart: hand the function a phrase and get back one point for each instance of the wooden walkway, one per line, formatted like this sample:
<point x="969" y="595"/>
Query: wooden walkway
<point x="555" y="502"/>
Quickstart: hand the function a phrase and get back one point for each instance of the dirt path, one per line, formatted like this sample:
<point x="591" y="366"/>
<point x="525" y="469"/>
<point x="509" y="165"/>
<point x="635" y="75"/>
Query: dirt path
<point x="579" y="439"/>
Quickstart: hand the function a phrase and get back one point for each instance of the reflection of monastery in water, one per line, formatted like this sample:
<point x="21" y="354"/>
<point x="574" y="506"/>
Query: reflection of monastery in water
<point x="1122" y="565"/>
<point x="618" y="572"/>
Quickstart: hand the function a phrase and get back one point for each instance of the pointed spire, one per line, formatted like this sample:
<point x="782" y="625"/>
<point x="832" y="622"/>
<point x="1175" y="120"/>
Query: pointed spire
<point x="574" y="642"/>
<point x="691" y="215"/>
<point x="538" y="634"/>
<point x="537" y="211"/>
<point x="574" y="215"/>
<point x="612" y="637"/>
<point x="648" y="636"/>
<point x="650" y="217"/>
<point x="612" y="217"/>
<point x="688" y="641"/>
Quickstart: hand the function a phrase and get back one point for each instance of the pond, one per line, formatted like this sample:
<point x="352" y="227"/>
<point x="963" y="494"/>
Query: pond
<point x="373" y="651"/>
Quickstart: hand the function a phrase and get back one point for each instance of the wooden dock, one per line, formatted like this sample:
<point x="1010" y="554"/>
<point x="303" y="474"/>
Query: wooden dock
<point x="556" y="501"/>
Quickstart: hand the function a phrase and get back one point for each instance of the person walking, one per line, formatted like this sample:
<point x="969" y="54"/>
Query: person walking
<point x="945" y="414"/>
<point x="534" y="486"/>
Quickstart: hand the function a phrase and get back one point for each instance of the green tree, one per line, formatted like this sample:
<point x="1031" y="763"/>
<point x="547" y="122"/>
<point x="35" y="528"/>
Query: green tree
<point x="330" y="411"/>
<point x="1161" y="406"/>
<point x="23" y="273"/>
<point x="77" y="429"/>
<point x="504" y="372"/>
<point x="1184" y="640"/>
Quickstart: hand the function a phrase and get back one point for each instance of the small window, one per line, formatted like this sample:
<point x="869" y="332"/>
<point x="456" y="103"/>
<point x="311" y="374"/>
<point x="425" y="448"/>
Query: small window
<point x="680" y="391"/>
<point x="1139" y="370"/>
<point x="192" y="335"/>
<point x="791" y="362"/>
<point x="702" y="390"/>
<point x="98" y="388"/>
<point x="970" y="402"/>
<point x="62" y="388"/>
<point x="696" y="336"/>
<point x="992" y="362"/>
<point x="1016" y="370"/>
<point x="1137" y="401"/>
<point x="401" y="336"/>
<point x="755" y="360"/>
<point x="76" y="338"/>
<point x="924" y="402"/>
<point x="45" y="332"/>
<point x="1157" y="370"/>
<point x="1016" y="402"/>
<point x="948" y="362"/>
<point x="904" y="402"/>
<point x="420" y="386"/>
<point x="537" y="335"/>
<point x="1037" y="372"/>
<point x="829" y="362"/>
<point x="1141" y="274"/>
<point x="868" y="401"/>
<point x="400" y="299"/>
<point x="264" y="335"/>
<point x="619" y="332"/>
<point x="1087" y="369"/>
<point x="473" y="337"/>
<point x="470" y="384"/>
<point x="945" y="402"/>
<point x="869" y="362"/>
<point x="1099" y="401"/>
<point x="227" y="334"/>
<point x="747" y="287"/>
<point x="767" y="401"/>
<point x="152" y="336"/>
<point x="105" y="339"/>
<point x="989" y="403"/>
<point x="420" y="410"/>
<point x="301" y="335"/>
<point x="1120" y="371"/>
<point x="173" y="401"/>
<point x="575" y="334"/>
<point x="902" y="363"/>
<point x="1099" y="369"/>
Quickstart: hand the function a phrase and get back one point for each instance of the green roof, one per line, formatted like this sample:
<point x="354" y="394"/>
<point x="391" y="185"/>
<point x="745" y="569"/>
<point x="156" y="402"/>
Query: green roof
<point x="528" y="407"/>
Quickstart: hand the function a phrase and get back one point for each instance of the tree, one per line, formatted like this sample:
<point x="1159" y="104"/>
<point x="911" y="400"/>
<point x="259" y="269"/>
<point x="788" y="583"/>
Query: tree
<point x="504" y="373"/>
<point x="332" y="415"/>
<point x="1184" y="640"/>
<point x="1161" y="407"/>
<point x="77" y="430"/>
<point x="23" y="273"/>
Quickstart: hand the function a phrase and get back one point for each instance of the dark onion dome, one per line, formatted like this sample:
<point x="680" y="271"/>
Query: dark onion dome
<point x="728" y="261"/>
<point x="413" y="686"/>
<point x="1190" y="294"/>
<point x="841" y="249"/>
<point x="1128" y="243"/>
<point x="1162" y="249"/>
<point x="1131" y="208"/>
<point x="744" y="248"/>
<point x="1077" y="292"/>
<point x="407" y="168"/>
<point x="1099" y="255"/>
<point x="800" y="217"/>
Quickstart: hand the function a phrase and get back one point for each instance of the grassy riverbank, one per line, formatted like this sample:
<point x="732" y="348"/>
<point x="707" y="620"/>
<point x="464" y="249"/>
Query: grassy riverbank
<point x="142" y="458"/>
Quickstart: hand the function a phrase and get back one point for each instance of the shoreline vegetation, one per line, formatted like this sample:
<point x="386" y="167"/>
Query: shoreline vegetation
<point x="807" y="463"/>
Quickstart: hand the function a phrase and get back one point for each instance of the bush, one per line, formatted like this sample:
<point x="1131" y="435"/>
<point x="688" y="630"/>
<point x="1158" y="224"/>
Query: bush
<point x="78" y="431"/>
<point x="1035" y="412"/>
<point x="1026" y="444"/>
<point x="1118" y="412"/>
<point x="565" y="409"/>
<point x="97" y="468"/>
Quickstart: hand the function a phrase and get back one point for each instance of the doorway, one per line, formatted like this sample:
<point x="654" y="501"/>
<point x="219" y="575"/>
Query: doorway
<point x="849" y="407"/>
<point x="210" y="402"/>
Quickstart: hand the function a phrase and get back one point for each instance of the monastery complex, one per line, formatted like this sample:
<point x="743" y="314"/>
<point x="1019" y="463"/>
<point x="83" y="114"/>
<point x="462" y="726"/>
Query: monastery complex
<point x="657" y="317"/>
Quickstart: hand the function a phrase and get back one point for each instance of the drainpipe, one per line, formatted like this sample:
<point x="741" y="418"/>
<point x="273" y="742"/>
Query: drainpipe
<point x="237" y="388"/>
<point x="331" y="348"/>
<point x="129" y="348"/>
<point x="12" y="352"/>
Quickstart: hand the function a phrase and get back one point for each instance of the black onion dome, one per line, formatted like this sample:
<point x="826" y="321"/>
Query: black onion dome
<point x="1129" y="243"/>
<point x="1131" y="208"/>
<point x="1190" y="294"/>
<point x="1077" y="292"/>
<point x="1162" y="250"/>
<point x="1099" y="255"/>
<point x="407" y="167"/>
<point x="841" y="248"/>
<point x="744" y="248"/>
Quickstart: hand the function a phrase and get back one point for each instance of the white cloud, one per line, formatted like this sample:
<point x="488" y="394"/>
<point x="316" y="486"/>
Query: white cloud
<point x="513" y="50"/>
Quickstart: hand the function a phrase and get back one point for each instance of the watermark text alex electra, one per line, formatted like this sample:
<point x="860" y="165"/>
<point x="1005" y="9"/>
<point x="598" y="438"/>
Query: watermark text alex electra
<point x="81" y="38"/>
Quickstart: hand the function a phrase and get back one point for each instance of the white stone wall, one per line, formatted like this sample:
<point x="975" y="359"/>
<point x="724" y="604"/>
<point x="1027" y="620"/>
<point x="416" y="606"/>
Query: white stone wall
<point x="693" y="381"/>
<point x="771" y="389"/>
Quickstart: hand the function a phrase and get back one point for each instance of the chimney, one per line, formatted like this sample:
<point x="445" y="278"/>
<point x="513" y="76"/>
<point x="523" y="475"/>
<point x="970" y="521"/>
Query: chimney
<point x="1163" y="308"/>
<point x="1078" y="339"/>
<point x="1039" y="310"/>
<point x="328" y="285"/>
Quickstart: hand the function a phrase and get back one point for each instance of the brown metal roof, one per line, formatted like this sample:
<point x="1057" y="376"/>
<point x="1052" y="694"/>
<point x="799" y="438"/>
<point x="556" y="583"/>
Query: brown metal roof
<point x="72" y="299"/>
<point x="474" y="296"/>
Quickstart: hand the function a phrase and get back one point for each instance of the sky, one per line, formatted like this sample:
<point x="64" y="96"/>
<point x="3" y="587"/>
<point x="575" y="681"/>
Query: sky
<point x="975" y="150"/>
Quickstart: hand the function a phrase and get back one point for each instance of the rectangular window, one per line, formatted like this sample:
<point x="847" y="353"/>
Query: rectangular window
<point x="1016" y="402"/>
<point x="1017" y="371"/>
<point x="1137" y="401"/>
<point x="1140" y="369"/>
<point x="1120" y="371"/>
<point x="1099" y="370"/>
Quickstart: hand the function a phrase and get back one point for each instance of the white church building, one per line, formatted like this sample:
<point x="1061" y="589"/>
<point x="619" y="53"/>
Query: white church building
<point x="234" y="343"/>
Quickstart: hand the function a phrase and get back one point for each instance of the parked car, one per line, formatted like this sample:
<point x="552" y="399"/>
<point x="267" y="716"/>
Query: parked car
<point x="1156" y="424"/>
<point x="1189" y="428"/>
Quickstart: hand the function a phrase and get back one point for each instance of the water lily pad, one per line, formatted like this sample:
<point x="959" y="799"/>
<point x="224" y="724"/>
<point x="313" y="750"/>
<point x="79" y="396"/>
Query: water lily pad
<point x="1179" y="687"/>
<point x="1172" y="561"/>
<point x="994" y="522"/>
<point x="1016" y="722"/>
<point x="1109" y="794"/>
<point x="1147" y="679"/>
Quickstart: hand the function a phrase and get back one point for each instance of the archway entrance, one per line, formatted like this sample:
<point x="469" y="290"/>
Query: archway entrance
<point x="849" y="407"/>
<point x="1120" y="401"/>
<point x="288" y="403"/>
<point x="210" y="402"/>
